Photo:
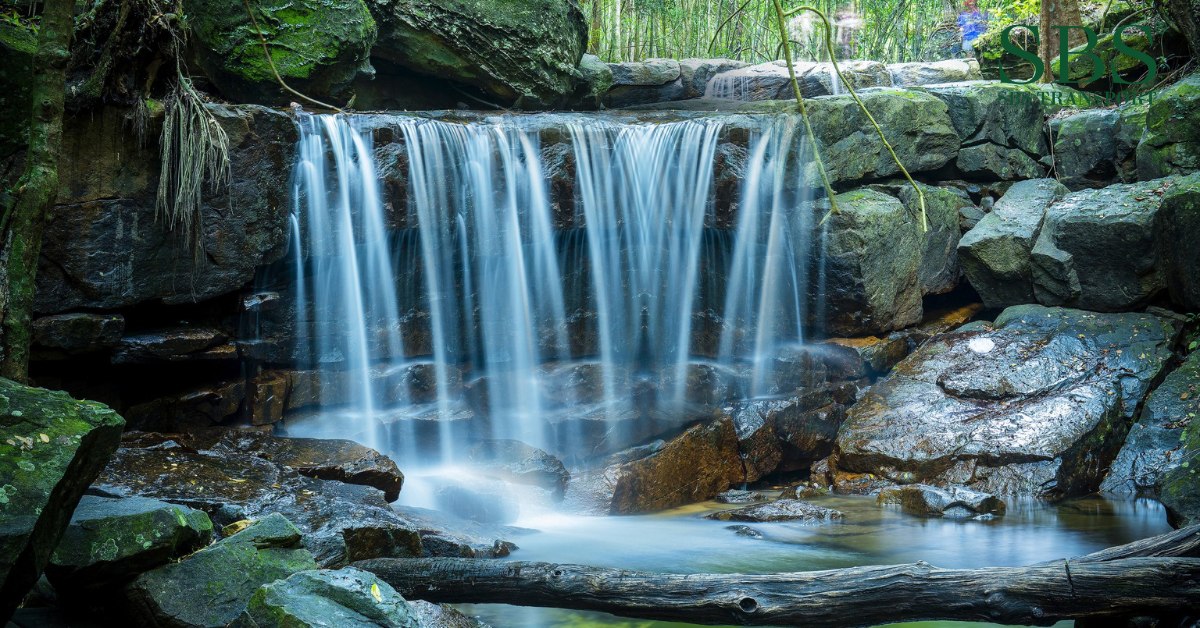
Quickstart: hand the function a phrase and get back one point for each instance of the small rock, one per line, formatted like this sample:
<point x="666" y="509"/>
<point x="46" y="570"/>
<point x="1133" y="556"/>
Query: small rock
<point x="745" y="531"/>
<point x="524" y="464"/>
<point x="734" y="496"/>
<point x="953" y="502"/>
<point x="792" y="510"/>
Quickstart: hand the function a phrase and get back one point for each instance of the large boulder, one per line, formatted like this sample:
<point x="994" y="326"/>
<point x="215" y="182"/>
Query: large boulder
<point x="1177" y="224"/>
<point x="933" y="72"/>
<point x="1001" y="127"/>
<point x="211" y="587"/>
<point x="645" y="82"/>
<point x="1095" y="147"/>
<point x="695" y="73"/>
<point x="873" y="255"/>
<point x="51" y="448"/>
<point x="104" y="246"/>
<point x="63" y="335"/>
<point x="341" y="522"/>
<point x="1157" y="442"/>
<point x="347" y="597"/>
<point x="1034" y="404"/>
<point x="1171" y="144"/>
<point x="317" y="47"/>
<point x="1098" y="250"/>
<point x="1180" y="491"/>
<point x="110" y="541"/>
<point x="995" y="254"/>
<point x="523" y="52"/>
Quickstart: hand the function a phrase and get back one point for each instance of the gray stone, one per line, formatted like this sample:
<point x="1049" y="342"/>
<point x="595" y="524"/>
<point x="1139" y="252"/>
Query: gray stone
<point x="952" y="502"/>
<point x="524" y="464"/>
<point x="928" y="73"/>
<point x="1171" y="144"/>
<point x="51" y="448"/>
<point x="1097" y="249"/>
<point x="790" y="510"/>
<point x="1176" y="226"/>
<point x="1034" y="405"/>
<point x="696" y="73"/>
<point x="78" y="332"/>
<point x="347" y="597"/>
<point x="735" y="496"/>
<point x="995" y="254"/>
<point x="1095" y="147"/>
<point x="596" y="80"/>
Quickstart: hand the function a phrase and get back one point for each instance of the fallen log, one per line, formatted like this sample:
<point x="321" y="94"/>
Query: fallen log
<point x="1158" y="576"/>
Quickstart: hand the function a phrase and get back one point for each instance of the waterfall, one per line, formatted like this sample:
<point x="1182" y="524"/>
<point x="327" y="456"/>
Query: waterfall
<point x="477" y="304"/>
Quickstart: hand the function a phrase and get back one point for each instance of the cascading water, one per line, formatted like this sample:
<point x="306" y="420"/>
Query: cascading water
<point x="479" y="305"/>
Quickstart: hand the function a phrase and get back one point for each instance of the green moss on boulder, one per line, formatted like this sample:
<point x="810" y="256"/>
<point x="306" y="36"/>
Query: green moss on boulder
<point x="1171" y="143"/>
<point x="16" y="47"/>
<point x="317" y="46"/>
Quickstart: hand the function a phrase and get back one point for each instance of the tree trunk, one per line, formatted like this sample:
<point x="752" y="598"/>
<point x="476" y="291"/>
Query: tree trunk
<point x="36" y="190"/>
<point x="1158" y="576"/>
<point x="1055" y="13"/>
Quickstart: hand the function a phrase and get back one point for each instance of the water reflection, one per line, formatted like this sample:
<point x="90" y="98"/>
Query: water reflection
<point x="681" y="541"/>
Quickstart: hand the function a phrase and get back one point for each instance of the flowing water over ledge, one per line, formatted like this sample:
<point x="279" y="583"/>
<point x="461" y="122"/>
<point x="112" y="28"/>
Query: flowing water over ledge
<point x="680" y="541"/>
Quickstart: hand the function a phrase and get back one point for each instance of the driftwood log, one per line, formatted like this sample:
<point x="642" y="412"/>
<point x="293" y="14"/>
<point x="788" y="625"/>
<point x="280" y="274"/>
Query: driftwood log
<point x="1156" y="576"/>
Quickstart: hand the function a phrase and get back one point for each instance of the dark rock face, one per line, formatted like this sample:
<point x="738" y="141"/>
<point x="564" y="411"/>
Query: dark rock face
<point x="51" y="447"/>
<point x="212" y="586"/>
<point x="77" y="332"/>
<point x="524" y="464"/>
<point x="644" y="82"/>
<point x="318" y="48"/>
<point x="1096" y="146"/>
<point x="788" y="434"/>
<point x="1097" y="249"/>
<point x="1176" y="226"/>
<point x="952" y="502"/>
<point x="103" y="247"/>
<point x="346" y="597"/>
<point x="521" y="52"/>
<point x="110" y="541"/>
<point x="1157" y="442"/>
<point x="1180" y="491"/>
<point x="341" y="522"/>
<point x="995" y="254"/>
<point x="1171" y="144"/>
<point x="326" y="459"/>
<point x="1034" y="405"/>
<point x="173" y="346"/>
<point x="790" y="510"/>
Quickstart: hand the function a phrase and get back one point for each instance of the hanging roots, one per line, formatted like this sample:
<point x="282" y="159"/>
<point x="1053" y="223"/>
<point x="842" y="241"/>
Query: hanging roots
<point x="194" y="148"/>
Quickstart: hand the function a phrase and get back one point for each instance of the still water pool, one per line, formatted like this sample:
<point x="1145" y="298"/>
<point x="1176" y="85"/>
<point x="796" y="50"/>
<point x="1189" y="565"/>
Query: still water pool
<point x="680" y="541"/>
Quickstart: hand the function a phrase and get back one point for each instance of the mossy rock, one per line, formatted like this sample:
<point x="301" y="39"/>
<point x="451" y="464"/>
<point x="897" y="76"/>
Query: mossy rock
<point x="518" y="51"/>
<point x="112" y="540"/>
<point x="1181" y="486"/>
<point x="1171" y="143"/>
<point x="212" y="586"/>
<point x="317" y="46"/>
<point x="347" y="597"/>
<point x="51" y="448"/>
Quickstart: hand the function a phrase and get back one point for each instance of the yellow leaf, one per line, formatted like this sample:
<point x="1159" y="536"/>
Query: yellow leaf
<point x="375" y="592"/>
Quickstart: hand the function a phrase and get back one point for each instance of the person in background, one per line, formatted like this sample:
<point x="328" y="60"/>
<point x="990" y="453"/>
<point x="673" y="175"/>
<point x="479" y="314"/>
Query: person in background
<point x="972" y="23"/>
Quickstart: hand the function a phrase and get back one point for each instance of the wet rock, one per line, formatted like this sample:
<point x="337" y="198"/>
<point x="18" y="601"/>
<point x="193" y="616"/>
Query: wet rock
<point x="522" y="52"/>
<point x="878" y="354"/>
<point x="995" y="254"/>
<point x="1097" y="248"/>
<point x="1156" y="443"/>
<point x="804" y="491"/>
<point x="1177" y="224"/>
<point x="1171" y="144"/>
<point x="442" y="616"/>
<point x="341" y="522"/>
<point x="821" y="79"/>
<point x="873" y="257"/>
<point x="109" y="541"/>
<point x="787" y="434"/>
<point x="734" y="496"/>
<point x="764" y="81"/>
<point x="790" y="510"/>
<point x="524" y="464"/>
<point x="1095" y="147"/>
<point x="103" y="246"/>
<point x="928" y="73"/>
<point x="952" y="502"/>
<point x="51" y="447"/>
<point x="695" y="73"/>
<point x="326" y="459"/>
<point x="939" y="270"/>
<point x="745" y="531"/>
<point x="171" y="345"/>
<point x="77" y="332"/>
<point x="321" y="47"/>
<point x="694" y="466"/>
<point x="480" y="500"/>
<point x="642" y="82"/>
<point x="1180" y="491"/>
<point x="1034" y="405"/>
<point x="597" y="79"/>
<point x="1000" y="126"/>
<point x="445" y="534"/>
<point x="212" y="586"/>
<point x="346" y="597"/>
<point x="990" y="161"/>
<point x="195" y="409"/>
